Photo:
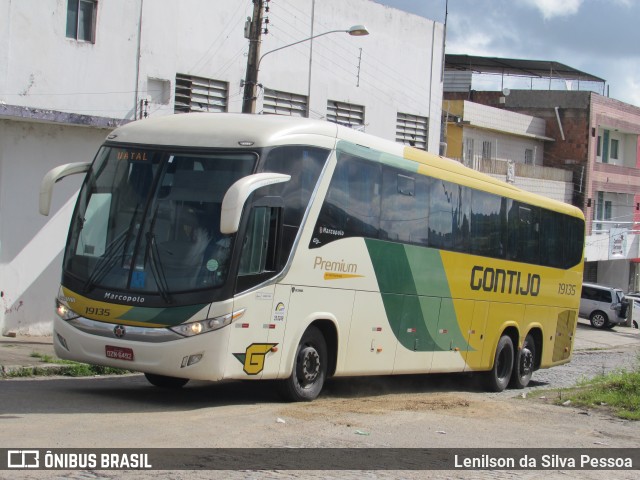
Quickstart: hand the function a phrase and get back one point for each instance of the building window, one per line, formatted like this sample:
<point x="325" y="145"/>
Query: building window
<point x="198" y="94"/>
<point x="346" y="114"/>
<point x="599" y="146"/>
<point x="605" y="147"/>
<point x="486" y="150"/>
<point x="284" y="103"/>
<point x="528" y="156"/>
<point x="614" y="149"/>
<point x="412" y="130"/>
<point x="81" y="20"/>
<point x="469" y="153"/>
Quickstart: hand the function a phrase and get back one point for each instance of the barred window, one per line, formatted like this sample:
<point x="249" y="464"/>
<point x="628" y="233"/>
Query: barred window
<point x="346" y="114"/>
<point x="284" y="103"/>
<point x="199" y="94"/>
<point x="412" y="130"/>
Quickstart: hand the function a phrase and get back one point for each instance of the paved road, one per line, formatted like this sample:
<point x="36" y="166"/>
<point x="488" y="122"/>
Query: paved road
<point x="411" y="411"/>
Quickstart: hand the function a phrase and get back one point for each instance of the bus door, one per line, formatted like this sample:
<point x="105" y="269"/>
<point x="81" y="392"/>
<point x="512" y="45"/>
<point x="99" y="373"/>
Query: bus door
<point x="249" y="339"/>
<point x="258" y="265"/>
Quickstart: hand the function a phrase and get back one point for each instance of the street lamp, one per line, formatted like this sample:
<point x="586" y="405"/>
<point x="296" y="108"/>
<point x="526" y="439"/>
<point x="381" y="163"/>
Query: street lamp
<point x="249" y="103"/>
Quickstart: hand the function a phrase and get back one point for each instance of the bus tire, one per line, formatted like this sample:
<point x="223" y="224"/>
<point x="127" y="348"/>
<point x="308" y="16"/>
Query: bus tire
<point x="524" y="364"/>
<point x="499" y="376"/>
<point x="163" y="381"/>
<point x="309" y="368"/>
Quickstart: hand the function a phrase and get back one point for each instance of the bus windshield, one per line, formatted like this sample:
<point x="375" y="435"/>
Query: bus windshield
<point x="148" y="220"/>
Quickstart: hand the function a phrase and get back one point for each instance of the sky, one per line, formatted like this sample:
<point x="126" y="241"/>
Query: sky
<point x="600" y="37"/>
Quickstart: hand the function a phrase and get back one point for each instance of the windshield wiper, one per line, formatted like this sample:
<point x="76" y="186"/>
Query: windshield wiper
<point x="109" y="257"/>
<point x="106" y="262"/>
<point x="156" y="268"/>
<point x="152" y="255"/>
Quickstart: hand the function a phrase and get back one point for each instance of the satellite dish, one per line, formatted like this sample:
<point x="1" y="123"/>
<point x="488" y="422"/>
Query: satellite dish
<point x="506" y="92"/>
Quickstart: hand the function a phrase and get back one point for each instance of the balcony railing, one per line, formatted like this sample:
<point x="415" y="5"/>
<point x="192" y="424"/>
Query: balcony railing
<point x="499" y="167"/>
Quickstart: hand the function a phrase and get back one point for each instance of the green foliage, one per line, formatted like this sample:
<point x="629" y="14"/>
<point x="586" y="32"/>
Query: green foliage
<point x="617" y="392"/>
<point x="57" y="367"/>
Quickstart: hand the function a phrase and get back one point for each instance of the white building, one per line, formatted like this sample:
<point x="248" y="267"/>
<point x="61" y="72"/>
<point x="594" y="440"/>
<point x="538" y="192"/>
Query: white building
<point x="71" y="70"/>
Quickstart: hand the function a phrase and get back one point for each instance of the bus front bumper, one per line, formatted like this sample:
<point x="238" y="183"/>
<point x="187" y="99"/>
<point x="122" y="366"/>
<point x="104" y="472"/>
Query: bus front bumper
<point x="148" y="350"/>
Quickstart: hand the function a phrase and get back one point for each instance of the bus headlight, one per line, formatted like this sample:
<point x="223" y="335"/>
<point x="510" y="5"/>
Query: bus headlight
<point x="64" y="312"/>
<point x="207" y="325"/>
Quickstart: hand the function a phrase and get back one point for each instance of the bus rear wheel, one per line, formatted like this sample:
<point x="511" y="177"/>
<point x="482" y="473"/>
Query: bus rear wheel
<point x="163" y="381"/>
<point x="524" y="365"/>
<point x="309" y="368"/>
<point x="498" y="377"/>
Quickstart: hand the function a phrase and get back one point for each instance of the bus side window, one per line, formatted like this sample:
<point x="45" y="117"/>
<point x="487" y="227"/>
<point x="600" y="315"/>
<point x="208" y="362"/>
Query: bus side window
<point x="449" y="216"/>
<point x="404" y="206"/>
<point x="259" y="256"/>
<point x="487" y="232"/>
<point x="352" y="205"/>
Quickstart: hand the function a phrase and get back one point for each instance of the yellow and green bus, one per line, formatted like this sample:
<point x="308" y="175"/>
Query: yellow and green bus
<point x="227" y="246"/>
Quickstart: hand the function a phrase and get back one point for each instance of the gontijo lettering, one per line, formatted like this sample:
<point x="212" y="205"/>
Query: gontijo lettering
<point x="498" y="280"/>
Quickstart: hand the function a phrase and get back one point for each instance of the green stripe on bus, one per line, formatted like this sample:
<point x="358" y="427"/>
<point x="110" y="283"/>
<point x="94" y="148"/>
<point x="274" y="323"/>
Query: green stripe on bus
<point x="377" y="156"/>
<point x="416" y="296"/>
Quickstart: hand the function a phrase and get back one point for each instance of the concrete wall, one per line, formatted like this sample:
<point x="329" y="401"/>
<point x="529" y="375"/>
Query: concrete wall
<point x="614" y="273"/>
<point x="397" y="68"/>
<point x="42" y="68"/>
<point x="31" y="245"/>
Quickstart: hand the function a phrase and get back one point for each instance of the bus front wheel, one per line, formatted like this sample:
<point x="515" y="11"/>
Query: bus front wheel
<point x="309" y="368"/>
<point x="524" y="365"/>
<point x="498" y="377"/>
<point x="163" y="381"/>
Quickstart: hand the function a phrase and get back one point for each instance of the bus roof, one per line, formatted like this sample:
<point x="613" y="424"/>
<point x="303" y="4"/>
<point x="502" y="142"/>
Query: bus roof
<point x="221" y="130"/>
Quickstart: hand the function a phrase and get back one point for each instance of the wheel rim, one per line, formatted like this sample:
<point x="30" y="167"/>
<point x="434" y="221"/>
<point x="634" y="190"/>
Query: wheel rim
<point x="598" y="320"/>
<point x="308" y="368"/>
<point x="526" y="362"/>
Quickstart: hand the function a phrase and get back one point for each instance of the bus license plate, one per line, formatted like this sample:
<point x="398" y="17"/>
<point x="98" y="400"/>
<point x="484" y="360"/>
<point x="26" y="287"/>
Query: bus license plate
<point x="119" y="353"/>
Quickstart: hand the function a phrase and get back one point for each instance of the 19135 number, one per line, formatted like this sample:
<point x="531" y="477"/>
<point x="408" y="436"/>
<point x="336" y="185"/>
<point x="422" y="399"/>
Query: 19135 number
<point x="566" y="289"/>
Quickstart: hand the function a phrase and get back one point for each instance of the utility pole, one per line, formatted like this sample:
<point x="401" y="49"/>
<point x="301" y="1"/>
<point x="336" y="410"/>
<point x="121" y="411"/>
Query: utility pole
<point x="251" y="78"/>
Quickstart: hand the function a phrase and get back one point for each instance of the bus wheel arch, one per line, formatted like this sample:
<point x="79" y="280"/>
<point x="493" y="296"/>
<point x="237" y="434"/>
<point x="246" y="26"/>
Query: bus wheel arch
<point x="330" y="333"/>
<point x="310" y="366"/>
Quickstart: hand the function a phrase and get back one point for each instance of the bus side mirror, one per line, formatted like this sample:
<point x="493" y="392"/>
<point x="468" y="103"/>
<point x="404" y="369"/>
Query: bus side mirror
<point x="55" y="175"/>
<point x="235" y="198"/>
